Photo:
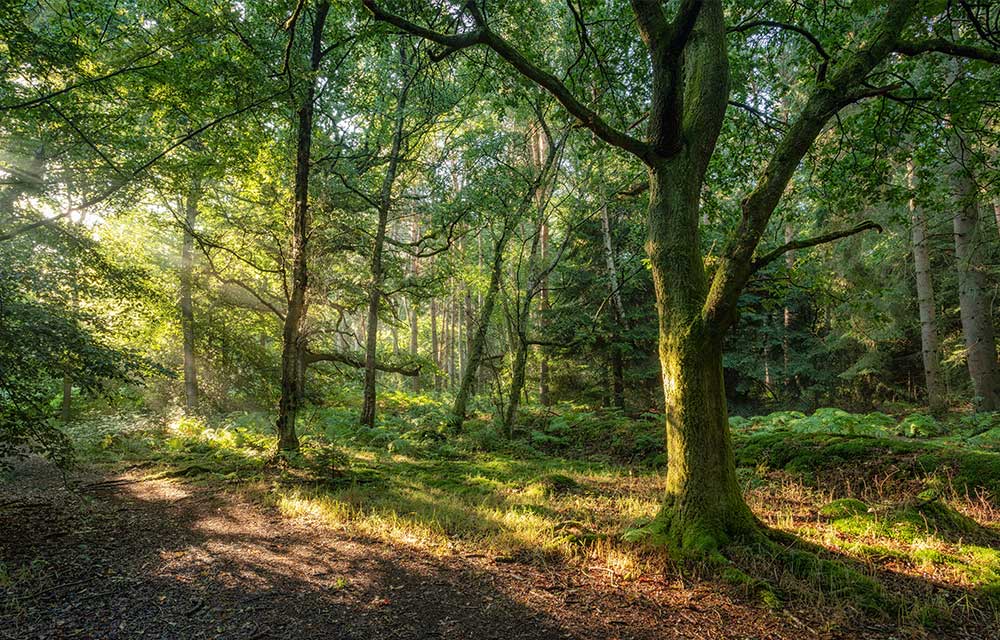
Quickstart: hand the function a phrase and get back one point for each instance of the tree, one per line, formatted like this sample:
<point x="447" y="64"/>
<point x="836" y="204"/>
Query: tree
<point x="688" y="93"/>
<point x="925" y="300"/>
<point x="977" y="321"/>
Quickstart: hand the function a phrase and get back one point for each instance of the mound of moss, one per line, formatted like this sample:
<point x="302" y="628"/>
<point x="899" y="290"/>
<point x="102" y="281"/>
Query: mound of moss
<point x="812" y="454"/>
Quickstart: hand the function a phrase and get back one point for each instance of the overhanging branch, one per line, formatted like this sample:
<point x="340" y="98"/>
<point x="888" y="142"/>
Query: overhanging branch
<point x="774" y="254"/>
<point x="940" y="45"/>
<point x="357" y="360"/>
<point x="484" y="35"/>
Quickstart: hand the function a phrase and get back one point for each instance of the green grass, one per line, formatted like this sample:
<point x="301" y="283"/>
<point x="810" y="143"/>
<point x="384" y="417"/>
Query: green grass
<point x="875" y="518"/>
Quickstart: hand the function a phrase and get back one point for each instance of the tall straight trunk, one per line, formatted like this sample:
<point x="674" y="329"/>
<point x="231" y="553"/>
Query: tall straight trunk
<point x="454" y="342"/>
<point x="543" y="357"/>
<point x="617" y="308"/>
<point x="66" y="410"/>
<point x="187" y="306"/>
<point x="414" y="334"/>
<point x="414" y="325"/>
<point x="375" y="291"/>
<point x="435" y="355"/>
<point x="974" y="307"/>
<point x="925" y="301"/>
<point x="788" y="317"/>
<point x="293" y="346"/>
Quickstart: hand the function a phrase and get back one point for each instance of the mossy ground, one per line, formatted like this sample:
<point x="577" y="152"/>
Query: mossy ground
<point x="903" y="528"/>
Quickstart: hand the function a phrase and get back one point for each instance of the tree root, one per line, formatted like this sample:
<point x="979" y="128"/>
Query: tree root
<point x="738" y="549"/>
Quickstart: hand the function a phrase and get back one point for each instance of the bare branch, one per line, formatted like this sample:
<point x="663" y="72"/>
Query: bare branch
<point x="813" y="40"/>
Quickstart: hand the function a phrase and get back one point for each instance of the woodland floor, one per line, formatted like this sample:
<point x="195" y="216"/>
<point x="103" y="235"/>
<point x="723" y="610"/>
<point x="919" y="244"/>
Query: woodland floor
<point x="97" y="556"/>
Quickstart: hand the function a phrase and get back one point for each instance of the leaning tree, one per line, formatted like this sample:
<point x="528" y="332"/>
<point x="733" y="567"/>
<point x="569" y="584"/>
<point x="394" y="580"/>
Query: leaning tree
<point x="684" y="94"/>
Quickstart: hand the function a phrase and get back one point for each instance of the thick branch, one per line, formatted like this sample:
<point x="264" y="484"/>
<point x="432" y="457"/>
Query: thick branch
<point x="826" y="100"/>
<point x="548" y="81"/>
<point x="940" y="45"/>
<point x="774" y="254"/>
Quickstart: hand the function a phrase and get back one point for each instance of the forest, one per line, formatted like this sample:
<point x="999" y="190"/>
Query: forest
<point x="479" y="319"/>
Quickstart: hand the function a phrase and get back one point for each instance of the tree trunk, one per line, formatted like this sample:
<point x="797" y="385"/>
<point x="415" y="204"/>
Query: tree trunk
<point x="435" y="356"/>
<point x="478" y="344"/>
<point x="66" y="410"/>
<point x="977" y="322"/>
<point x="293" y="345"/>
<point x="996" y="212"/>
<point x="187" y="306"/>
<point x="925" y="301"/>
<point x="519" y="336"/>
<point x="704" y="506"/>
<point x="617" y="308"/>
<point x="543" y="364"/>
<point x="375" y="292"/>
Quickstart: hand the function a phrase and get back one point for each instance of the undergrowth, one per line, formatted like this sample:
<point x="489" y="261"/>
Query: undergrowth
<point x="895" y="517"/>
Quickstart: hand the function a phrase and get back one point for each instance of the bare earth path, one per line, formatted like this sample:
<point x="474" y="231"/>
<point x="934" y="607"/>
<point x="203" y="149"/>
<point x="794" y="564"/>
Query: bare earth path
<point x="129" y="558"/>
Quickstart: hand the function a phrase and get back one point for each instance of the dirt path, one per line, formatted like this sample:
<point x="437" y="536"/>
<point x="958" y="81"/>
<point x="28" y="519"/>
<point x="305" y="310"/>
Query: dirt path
<point x="121" y="558"/>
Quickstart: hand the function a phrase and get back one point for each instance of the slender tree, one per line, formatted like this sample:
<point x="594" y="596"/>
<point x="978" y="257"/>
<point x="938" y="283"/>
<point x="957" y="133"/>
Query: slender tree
<point x="974" y="309"/>
<point x="925" y="299"/>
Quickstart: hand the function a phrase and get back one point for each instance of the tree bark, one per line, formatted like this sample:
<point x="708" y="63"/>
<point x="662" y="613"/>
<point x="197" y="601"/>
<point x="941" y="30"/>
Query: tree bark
<point x="543" y="357"/>
<point x="618" y="309"/>
<point x="974" y="308"/>
<point x="414" y="325"/>
<point x="293" y="338"/>
<point x="187" y="305"/>
<point x="704" y="506"/>
<point x="435" y="353"/>
<point x="925" y="301"/>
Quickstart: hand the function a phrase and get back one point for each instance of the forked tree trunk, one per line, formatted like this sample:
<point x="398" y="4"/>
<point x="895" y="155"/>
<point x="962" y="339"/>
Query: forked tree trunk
<point x="293" y="347"/>
<point x="925" y="301"/>
<point x="187" y="305"/>
<point x="977" y="321"/>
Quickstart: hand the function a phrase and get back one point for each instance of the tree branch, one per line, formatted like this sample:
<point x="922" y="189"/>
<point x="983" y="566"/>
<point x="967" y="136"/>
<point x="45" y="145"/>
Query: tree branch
<point x="774" y="254"/>
<point x="549" y="82"/>
<point x="940" y="45"/>
<point x="357" y="360"/>
<point x="813" y="40"/>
